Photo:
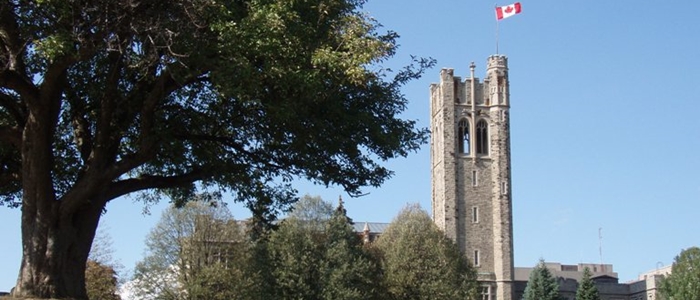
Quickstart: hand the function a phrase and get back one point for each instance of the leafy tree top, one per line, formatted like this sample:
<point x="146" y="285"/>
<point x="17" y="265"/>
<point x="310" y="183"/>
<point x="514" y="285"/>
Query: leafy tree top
<point x="420" y="262"/>
<point x="148" y="95"/>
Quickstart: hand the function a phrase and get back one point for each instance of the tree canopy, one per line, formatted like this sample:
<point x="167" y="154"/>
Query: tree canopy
<point x="684" y="280"/>
<point x="100" y="99"/>
<point x="316" y="254"/>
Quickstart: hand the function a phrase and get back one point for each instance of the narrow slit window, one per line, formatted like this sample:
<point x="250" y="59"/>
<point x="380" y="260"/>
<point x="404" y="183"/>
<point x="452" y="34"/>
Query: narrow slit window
<point x="475" y="214"/>
<point x="474" y="179"/>
<point x="482" y="138"/>
<point x="463" y="136"/>
<point x="476" y="258"/>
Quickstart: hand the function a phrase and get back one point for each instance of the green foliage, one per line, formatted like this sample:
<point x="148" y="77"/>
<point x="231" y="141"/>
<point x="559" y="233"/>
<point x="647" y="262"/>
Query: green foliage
<point x="586" y="288"/>
<point x="316" y="254"/>
<point x="296" y="254"/>
<point x="313" y="254"/>
<point x="420" y="262"/>
<point x="233" y="94"/>
<point x="220" y="281"/>
<point x="684" y="280"/>
<point x="102" y="99"/>
<point x="541" y="285"/>
<point x="349" y="272"/>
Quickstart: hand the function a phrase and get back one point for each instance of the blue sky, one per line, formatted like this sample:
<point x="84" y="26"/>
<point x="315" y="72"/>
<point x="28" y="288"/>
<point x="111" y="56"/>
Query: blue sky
<point x="605" y="132"/>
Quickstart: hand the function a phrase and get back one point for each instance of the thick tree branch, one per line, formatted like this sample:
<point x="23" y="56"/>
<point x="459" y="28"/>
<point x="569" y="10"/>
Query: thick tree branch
<point x="163" y="86"/>
<point x="127" y="186"/>
<point x="103" y="151"/>
<point x="82" y="135"/>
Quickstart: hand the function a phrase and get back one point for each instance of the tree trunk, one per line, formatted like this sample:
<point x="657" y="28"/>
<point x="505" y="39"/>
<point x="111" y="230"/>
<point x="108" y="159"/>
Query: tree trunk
<point x="56" y="237"/>
<point x="55" y="252"/>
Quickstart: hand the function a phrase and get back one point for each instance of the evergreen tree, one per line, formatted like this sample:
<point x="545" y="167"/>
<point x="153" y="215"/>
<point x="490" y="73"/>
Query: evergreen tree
<point x="587" y="289"/>
<point x="542" y="285"/>
<point x="420" y="262"/>
<point x="684" y="281"/>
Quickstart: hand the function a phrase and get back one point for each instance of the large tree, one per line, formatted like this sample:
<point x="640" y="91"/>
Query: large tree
<point x="100" y="99"/>
<point x="684" y="280"/>
<point x="542" y="285"/>
<point x="419" y="262"/>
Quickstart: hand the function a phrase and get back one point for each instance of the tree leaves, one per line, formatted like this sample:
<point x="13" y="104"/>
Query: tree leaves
<point x="420" y="262"/>
<point x="231" y="93"/>
<point x="684" y="280"/>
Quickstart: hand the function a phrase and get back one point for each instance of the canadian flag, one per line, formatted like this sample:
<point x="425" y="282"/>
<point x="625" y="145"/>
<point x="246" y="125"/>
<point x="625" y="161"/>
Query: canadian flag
<point x="503" y="12"/>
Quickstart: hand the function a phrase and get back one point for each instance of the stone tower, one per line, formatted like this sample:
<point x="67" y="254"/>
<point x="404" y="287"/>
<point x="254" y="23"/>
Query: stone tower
<point x="471" y="176"/>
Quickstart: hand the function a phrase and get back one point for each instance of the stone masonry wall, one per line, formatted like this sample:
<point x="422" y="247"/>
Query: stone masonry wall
<point x="472" y="192"/>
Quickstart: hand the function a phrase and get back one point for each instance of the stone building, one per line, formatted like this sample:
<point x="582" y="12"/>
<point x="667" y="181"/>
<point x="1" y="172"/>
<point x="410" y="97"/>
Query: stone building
<point x="605" y="279"/>
<point x="471" y="188"/>
<point x="471" y="176"/>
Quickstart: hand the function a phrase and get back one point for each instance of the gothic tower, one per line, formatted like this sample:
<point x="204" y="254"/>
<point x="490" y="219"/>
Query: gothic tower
<point x="471" y="176"/>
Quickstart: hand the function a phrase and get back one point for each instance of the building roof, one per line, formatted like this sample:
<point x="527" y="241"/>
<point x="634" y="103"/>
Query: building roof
<point x="570" y="271"/>
<point x="374" y="227"/>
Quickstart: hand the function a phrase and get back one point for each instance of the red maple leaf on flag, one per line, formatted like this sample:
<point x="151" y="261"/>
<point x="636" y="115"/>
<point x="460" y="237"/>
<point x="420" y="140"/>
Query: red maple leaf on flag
<point x="506" y="11"/>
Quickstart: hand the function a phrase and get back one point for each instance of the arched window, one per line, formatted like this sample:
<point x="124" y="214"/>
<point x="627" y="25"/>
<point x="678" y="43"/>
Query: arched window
<point x="482" y="141"/>
<point x="463" y="136"/>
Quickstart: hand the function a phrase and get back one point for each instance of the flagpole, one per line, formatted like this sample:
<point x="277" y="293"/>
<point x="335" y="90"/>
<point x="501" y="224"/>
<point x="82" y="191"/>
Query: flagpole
<point x="496" y="5"/>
